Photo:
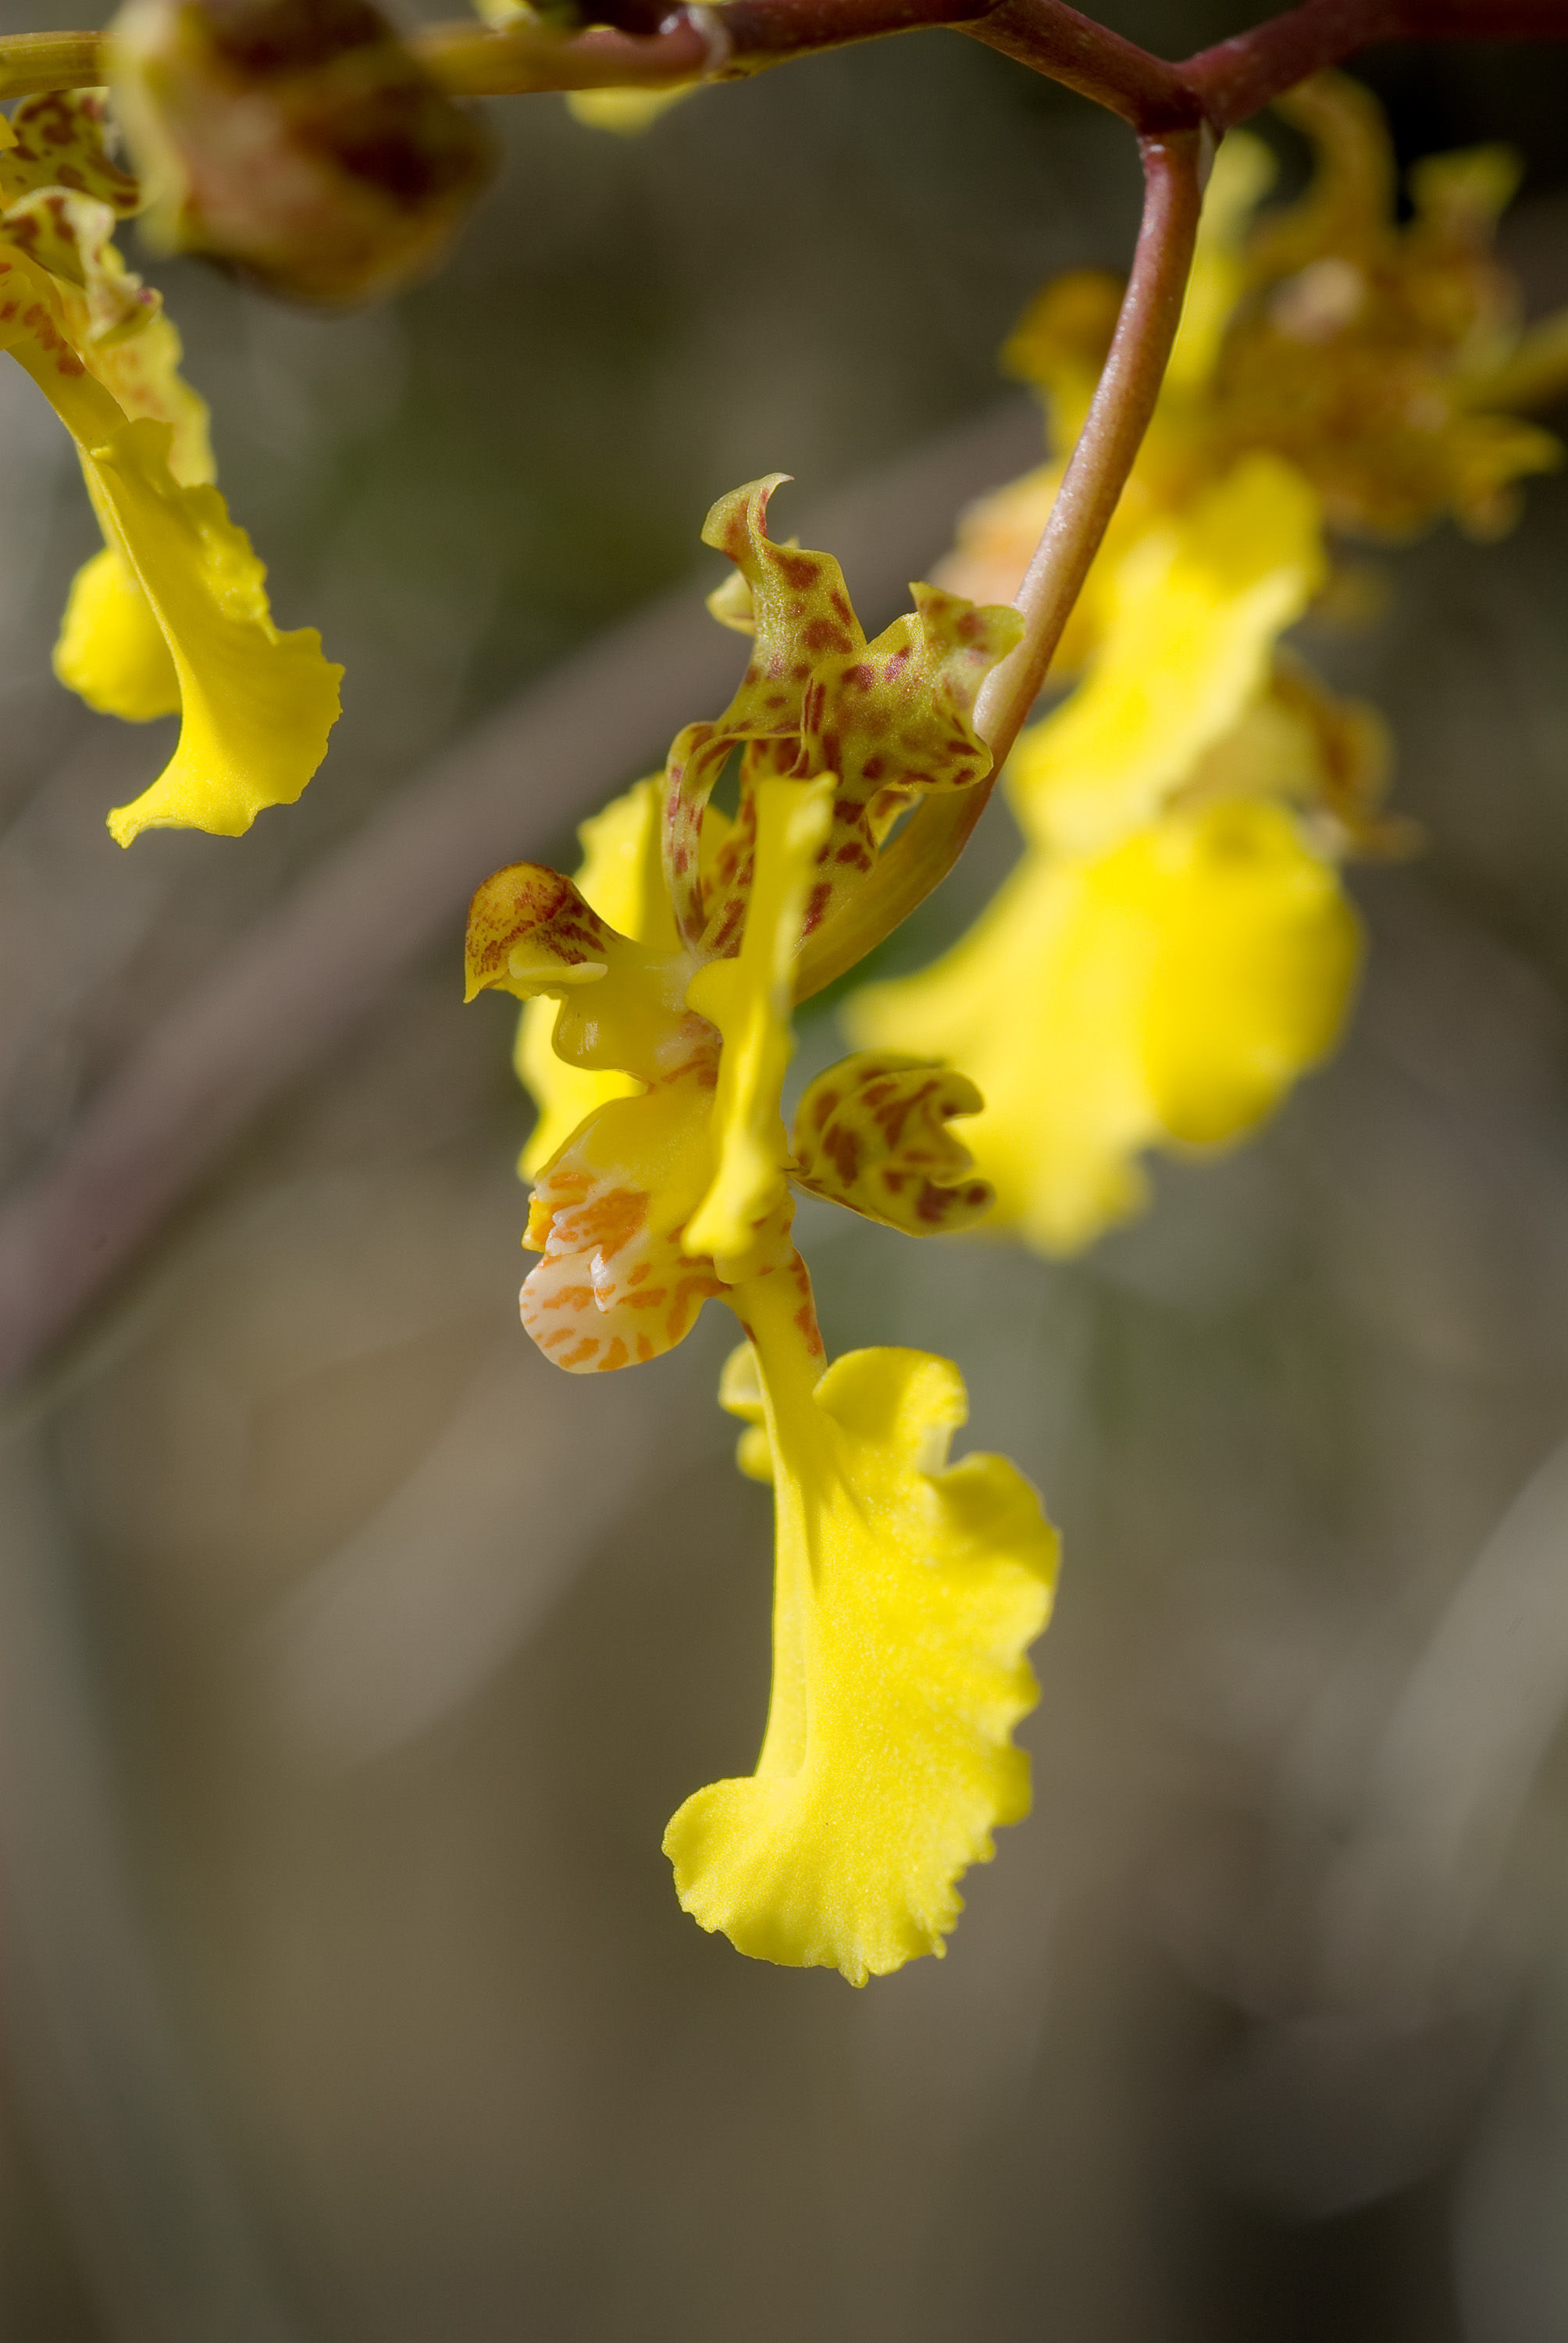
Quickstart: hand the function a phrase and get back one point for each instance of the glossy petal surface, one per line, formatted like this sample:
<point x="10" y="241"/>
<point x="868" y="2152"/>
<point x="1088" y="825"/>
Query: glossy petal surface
<point x="1197" y="608"/>
<point x="618" y="878"/>
<point x="1170" y="989"/>
<point x="907" y="1591"/>
<point x="749" y="1000"/>
<point x="256" y="704"/>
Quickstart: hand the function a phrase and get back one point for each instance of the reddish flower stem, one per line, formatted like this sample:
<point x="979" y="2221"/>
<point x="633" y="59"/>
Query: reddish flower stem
<point x="1237" y="78"/>
<point x="1123" y="404"/>
<point x="930" y="843"/>
<point x="1222" y="86"/>
<point x="1056" y="41"/>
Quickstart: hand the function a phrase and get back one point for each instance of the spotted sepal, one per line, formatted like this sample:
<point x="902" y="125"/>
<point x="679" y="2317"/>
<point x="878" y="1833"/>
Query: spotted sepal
<point x="57" y="141"/>
<point x="894" y="723"/>
<point x="798" y="611"/>
<point x="872" y="1133"/>
<point x="530" y="932"/>
<point x="891" y="720"/>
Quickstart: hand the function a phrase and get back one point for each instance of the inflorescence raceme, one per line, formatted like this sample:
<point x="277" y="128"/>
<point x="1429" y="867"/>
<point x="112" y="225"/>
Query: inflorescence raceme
<point x="1172" y="953"/>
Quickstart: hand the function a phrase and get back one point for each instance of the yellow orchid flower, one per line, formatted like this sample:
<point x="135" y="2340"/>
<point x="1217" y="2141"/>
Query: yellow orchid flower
<point x="906" y="1591"/>
<point x="1059" y="347"/>
<point x="172" y="617"/>
<point x="1174" y="949"/>
<point x="1382" y="358"/>
<point x="1386" y="362"/>
<point x="1193" y="617"/>
<point x="1167" y="991"/>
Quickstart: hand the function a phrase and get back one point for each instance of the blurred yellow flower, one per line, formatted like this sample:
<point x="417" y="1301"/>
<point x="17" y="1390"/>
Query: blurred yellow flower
<point x="1382" y="358"/>
<point x="1386" y="360"/>
<point x="1174" y="949"/>
<point x="172" y="617"/>
<point x="1059" y="347"/>
<point x="625" y="112"/>
<point x="906" y="1591"/>
<point x="1167" y="990"/>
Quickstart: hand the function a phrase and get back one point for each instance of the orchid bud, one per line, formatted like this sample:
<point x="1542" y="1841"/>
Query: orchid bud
<point x="298" y="140"/>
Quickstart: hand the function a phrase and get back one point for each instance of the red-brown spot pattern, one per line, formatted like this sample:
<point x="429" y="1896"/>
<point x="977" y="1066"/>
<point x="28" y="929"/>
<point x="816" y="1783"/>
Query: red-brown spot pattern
<point x="872" y="1133"/>
<point x="526" y="905"/>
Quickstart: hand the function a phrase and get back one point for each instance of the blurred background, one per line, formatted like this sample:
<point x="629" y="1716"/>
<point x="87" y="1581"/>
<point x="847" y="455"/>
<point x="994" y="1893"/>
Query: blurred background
<point x="352" y="1660"/>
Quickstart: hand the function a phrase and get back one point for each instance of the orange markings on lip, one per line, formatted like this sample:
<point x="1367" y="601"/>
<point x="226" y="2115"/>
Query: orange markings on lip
<point x="570" y="1297"/>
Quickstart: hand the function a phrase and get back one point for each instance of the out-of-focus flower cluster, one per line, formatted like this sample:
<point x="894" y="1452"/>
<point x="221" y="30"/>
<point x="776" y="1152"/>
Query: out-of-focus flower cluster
<point x="1174" y="947"/>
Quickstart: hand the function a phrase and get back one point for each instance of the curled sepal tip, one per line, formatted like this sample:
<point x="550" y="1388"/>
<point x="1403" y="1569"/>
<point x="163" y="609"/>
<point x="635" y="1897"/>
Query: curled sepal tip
<point x="872" y="1133"/>
<point x="907" y="1592"/>
<point x="529" y="931"/>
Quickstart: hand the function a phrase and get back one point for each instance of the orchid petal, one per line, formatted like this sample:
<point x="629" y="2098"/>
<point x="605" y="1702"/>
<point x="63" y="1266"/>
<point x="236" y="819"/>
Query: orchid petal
<point x="616" y="1287"/>
<point x="872" y="1133"/>
<point x="1169" y="990"/>
<point x="620" y="880"/>
<point x="112" y="651"/>
<point x="1198" y="606"/>
<point x="906" y="1593"/>
<point x="748" y="999"/>
<point x="257" y="706"/>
